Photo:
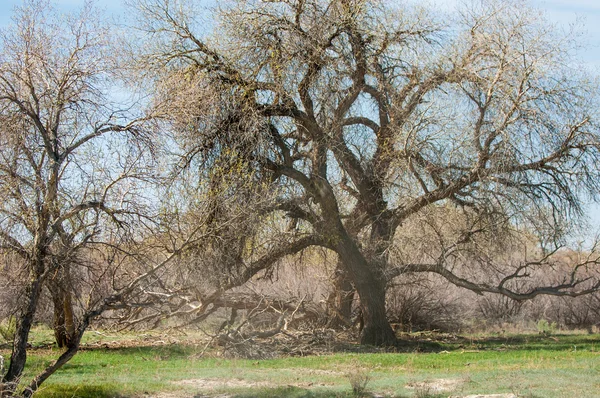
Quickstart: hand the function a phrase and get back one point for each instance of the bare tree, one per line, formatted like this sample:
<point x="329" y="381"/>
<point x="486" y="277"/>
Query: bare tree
<point x="70" y="167"/>
<point x="360" y="116"/>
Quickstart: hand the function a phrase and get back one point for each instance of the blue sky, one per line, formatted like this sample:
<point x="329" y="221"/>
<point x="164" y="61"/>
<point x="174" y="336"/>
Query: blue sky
<point x="560" y="11"/>
<point x="111" y="6"/>
<point x="570" y="11"/>
<point x="584" y="13"/>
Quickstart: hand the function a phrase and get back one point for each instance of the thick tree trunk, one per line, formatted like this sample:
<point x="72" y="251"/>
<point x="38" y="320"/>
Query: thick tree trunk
<point x="340" y="299"/>
<point x="64" y="323"/>
<point x="367" y="278"/>
<point x="60" y="290"/>
<point x="60" y="334"/>
<point x="19" y="352"/>
<point x="371" y="290"/>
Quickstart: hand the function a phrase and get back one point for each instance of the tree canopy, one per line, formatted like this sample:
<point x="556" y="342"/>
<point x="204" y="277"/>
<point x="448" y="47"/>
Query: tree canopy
<point x="361" y="115"/>
<point x="396" y="138"/>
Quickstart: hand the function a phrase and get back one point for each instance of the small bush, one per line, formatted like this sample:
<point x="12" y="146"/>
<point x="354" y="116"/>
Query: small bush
<point x="359" y="377"/>
<point x="545" y="327"/>
<point x="418" y="303"/>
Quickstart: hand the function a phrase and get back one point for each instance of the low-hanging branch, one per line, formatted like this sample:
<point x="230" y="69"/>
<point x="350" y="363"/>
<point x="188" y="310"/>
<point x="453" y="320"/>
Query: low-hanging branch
<point x="566" y="288"/>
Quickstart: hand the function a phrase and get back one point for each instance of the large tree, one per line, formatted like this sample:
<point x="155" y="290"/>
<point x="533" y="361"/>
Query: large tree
<point x="362" y="115"/>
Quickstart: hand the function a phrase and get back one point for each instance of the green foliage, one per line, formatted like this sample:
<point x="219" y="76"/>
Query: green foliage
<point x="8" y="328"/>
<point x="81" y="391"/>
<point x="544" y="327"/>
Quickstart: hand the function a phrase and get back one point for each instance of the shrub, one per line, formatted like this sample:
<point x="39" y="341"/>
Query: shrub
<point x="545" y="327"/>
<point x="358" y="377"/>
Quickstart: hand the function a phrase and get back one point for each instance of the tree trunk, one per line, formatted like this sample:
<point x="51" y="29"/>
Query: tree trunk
<point x="367" y="278"/>
<point x="60" y="334"/>
<point x="64" y="322"/>
<point x="340" y="299"/>
<point x="371" y="290"/>
<point x="19" y="351"/>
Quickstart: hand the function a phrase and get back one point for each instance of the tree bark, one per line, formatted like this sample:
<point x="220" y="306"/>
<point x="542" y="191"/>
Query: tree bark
<point x="340" y="299"/>
<point x="64" y="322"/>
<point x="371" y="290"/>
<point x="62" y="360"/>
<point x="63" y="319"/>
<point x="367" y="278"/>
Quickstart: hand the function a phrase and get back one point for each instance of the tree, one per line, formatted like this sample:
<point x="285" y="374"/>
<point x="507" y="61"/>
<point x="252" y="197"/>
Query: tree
<point x="70" y="164"/>
<point x="361" y="116"/>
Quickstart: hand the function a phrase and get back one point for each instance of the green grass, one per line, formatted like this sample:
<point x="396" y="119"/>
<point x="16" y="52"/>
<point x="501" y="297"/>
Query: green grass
<point x="527" y="365"/>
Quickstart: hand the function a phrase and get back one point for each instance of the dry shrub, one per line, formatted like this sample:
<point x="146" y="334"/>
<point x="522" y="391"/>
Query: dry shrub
<point x="426" y="302"/>
<point x="498" y="309"/>
<point x="567" y="312"/>
<point x="13" y="277"/>
<point x="579" y="312"/>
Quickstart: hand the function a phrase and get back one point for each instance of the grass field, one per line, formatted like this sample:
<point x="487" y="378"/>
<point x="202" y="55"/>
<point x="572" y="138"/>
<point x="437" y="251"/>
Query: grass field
<point x="561" y="365"/>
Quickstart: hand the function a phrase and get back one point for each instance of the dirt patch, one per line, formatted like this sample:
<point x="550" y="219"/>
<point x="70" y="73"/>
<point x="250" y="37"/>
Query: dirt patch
<point x="323" y="372"/>
<point x="212" y="384"/>
<point x="208" y="387"/>
<point x="510" y="395"/>
<point x="435" y="386"/>
<point x="184" y="395"/>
